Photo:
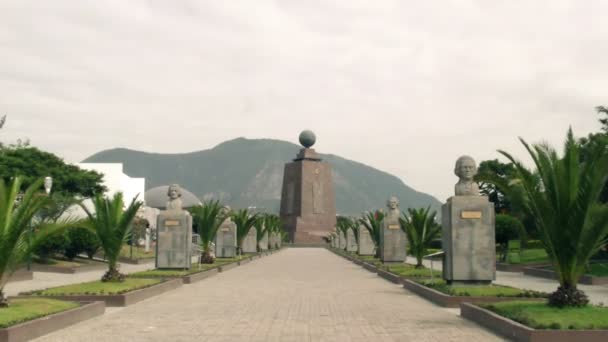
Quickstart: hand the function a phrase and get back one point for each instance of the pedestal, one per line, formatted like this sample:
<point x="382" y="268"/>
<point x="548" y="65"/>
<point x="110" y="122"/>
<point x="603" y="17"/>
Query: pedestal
<point x="174" y="239"/>
<point x="392" y="241"/>
<point x="468" y="240"/>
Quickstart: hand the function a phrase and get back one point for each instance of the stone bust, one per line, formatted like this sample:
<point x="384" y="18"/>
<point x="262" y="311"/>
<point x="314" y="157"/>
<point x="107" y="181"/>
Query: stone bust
<point x="175" y="203"/>
<point x="225" y="212"/>
<point x="466" y="169"/>
<point x="393" y="208"/>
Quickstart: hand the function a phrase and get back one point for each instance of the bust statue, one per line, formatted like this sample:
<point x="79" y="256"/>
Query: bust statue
<point x="466" y="169"/>
<point x="225" y="212"/>
<point x="175" y="203"/>
<point x="393" y="208"/>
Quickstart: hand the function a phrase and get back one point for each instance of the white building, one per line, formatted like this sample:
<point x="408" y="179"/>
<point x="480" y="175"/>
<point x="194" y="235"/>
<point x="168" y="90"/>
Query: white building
<point x="115" y="180"/>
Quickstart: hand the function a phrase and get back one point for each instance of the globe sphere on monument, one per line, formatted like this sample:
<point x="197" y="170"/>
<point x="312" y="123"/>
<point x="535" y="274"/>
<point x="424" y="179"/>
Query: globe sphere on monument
<point x="307" y="138"/>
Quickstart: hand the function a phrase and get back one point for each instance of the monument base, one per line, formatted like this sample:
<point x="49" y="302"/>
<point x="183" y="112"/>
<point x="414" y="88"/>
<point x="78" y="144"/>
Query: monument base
<point x="468" y="240"/>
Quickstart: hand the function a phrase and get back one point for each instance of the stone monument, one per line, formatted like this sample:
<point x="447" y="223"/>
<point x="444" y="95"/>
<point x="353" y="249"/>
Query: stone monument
<point x="263" y="242"/>
<point x="174" y="233"/>
<point x="225" y="239"/>
<point x="341" y="240"/>
<point x="250" y="242"/>
<point x="366" y="243"/>
<point x="351" y="241"/>
<point x="468" y="230"/>
<point x="308" y="207"/>
<point x="393" y="240"/>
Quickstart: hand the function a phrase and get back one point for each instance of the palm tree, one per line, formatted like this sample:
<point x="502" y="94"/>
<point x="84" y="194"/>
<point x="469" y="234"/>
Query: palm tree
<point x="244" y="220"/>
<point x="420" y="228"/>
<point x="373" y="223"/>
<point x="208" y="217"/>
<point x="112" y="224"/>
<point x="565" y="205"/>
<point x="261" y="229"/>
<point x="272" y="224"/>
<point x="16" y="240"/>
<point x="343" y="224"/>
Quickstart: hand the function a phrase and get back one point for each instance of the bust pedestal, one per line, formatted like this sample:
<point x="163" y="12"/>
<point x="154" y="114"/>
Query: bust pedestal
<point x="468" y="240"/>
<point x="392" y="240"/>
<point x="174" y="239"/>
<point x="225" y="240"/>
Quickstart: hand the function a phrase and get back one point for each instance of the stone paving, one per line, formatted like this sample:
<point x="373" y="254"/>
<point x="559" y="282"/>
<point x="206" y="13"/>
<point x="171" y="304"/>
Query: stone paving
<point x="298" y="294"/>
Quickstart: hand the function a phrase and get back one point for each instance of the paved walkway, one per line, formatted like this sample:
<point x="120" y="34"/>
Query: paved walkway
<point x="298" y="294"/>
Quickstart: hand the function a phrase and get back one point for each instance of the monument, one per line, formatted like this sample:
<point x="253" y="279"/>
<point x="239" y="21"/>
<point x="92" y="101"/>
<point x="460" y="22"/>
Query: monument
<point x="263" y="242"/>
<point x="250" y="242"/>
<point x="225" y="239"/>
<point x="366" y="243"/>
<point x="468" y="230"/>
<point x="174" y="233"/>
<point x="393" y="240"/>
<point x="308" y="207"/>
<point x="351" y="241"/>
<point x="341" y="240"/>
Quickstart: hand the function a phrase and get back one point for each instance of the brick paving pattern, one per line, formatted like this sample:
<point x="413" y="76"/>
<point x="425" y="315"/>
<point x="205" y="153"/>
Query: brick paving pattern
<point x="298" y="294"/>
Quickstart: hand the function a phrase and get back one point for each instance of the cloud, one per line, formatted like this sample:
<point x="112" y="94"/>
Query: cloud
<point x="404" y="86"/>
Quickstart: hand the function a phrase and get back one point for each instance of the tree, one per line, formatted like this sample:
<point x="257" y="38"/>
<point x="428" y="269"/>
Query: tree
<point x="343" y="224"/>
<point x="373" y="223"/>
<point x="208" y="217"/>
<point x="272" y="224"/>
<point x="112" y="224"/>
<point x="261" y="229"/>
<point x="507" y="228"/>
<point x="420" y="228"/>
<point x="572" y="222"/>
<point x="495" y="168"/>
<point x="244" y="220"/>
<point x="31" y="164"/>
<point x="14" y="227"/>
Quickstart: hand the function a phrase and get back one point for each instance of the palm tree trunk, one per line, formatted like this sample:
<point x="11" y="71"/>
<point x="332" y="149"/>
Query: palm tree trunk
<point x="568" y="295"/>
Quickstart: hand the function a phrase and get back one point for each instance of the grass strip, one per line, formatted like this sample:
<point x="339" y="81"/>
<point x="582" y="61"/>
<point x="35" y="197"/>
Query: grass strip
<point x="26" y="309"/>
<point x="480" y="290"/>
<point x="539" y="315"/>
<point x="98" y="287"/>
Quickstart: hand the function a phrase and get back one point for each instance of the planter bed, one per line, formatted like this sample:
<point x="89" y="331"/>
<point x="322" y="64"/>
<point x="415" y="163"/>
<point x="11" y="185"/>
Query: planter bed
<point x="136" y="261"/>
<point x="586" y="279"/>
<point x="450" y="301"/>
<point x="118" y="299"/>
<point x="37" y="327"/>
<point x="187" y="276"/>
<point x="519" y="332"/>
<point x="226" y="267"/>
<point x="370" y="267"/>
<point x="21" y="275"/>
<point x="392" y="277"/>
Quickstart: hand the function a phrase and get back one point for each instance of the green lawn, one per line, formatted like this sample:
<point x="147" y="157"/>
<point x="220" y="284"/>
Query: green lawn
<point x="98" y="287"/>
<point x="173" y="273"/>
<point x="408" y="270"/>
<point x="138" y="252"/>
<point x="27" y="309"/>
<point x="538" y="315"/>
<point x="533" y="256"/>
<point x="598" y="270"/>
<point x="480" y="290"/>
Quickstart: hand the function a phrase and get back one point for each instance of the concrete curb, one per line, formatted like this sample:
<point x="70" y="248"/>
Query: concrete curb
<point x="41" y="326"/>
<point x="124" y="299"/>
<point x="519" y="332"/>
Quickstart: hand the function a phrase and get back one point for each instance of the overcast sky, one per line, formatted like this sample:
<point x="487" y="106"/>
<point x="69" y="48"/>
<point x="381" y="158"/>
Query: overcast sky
<point x="403" y="86"/>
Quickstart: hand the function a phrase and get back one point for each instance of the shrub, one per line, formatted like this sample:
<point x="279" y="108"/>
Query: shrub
<point x="81" y="240"/>
<point x="51" y="245"/>
<point x="507" y="228"/>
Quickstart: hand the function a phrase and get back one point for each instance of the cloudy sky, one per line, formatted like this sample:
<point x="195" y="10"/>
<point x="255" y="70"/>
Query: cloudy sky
<point x="403" y="86"/>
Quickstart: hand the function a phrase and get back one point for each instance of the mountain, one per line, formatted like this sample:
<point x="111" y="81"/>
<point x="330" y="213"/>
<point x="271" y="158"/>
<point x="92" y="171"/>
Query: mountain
<point x="249" y="172"/>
